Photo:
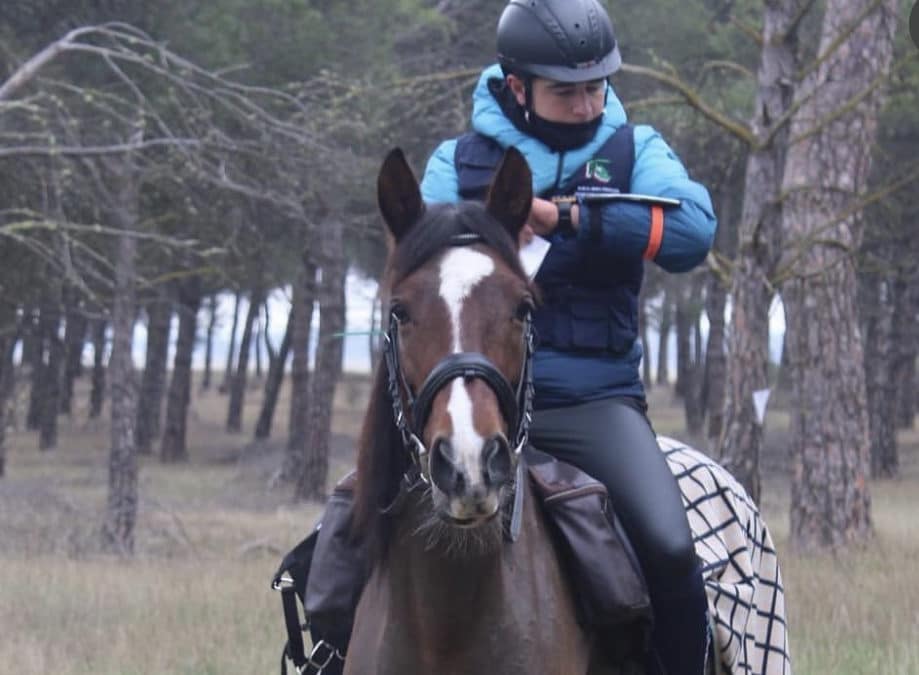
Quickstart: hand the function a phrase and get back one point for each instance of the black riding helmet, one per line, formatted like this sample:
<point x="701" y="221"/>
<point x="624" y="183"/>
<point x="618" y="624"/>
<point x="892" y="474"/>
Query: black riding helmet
<point x="562" y="40"/>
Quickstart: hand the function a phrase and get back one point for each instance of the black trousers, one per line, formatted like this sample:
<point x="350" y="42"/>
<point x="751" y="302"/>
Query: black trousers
<point x="612" y="440"/>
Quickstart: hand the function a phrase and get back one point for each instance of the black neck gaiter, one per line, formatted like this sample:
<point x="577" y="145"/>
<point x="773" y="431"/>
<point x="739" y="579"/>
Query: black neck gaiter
<point x="558" y="136"/>
<point x="562" y="136"/>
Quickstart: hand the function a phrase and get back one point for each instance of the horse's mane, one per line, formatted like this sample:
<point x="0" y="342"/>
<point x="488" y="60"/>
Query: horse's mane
<point x="381" y="458"/>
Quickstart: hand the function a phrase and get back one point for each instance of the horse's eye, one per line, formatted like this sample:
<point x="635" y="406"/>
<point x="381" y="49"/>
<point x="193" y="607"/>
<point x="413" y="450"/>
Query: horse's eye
<point x="399" y="313"/>
<point x="523" y="310"/>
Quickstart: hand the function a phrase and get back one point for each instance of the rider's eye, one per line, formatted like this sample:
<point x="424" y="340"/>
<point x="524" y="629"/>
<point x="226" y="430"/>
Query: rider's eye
<point x="523" y="310"/>
<point x="399" y="313"/>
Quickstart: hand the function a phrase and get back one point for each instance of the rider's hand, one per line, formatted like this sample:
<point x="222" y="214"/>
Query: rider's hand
<point x="544" y="216"/>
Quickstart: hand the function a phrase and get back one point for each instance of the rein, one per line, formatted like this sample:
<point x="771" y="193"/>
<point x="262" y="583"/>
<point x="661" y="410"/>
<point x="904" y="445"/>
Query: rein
<point x="516" y="405"/>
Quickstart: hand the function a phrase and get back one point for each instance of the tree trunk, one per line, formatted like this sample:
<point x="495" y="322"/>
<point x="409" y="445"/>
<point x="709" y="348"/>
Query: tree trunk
<point x="238" y="384"/>
<point x="826" y="171"/>
<point x="684" y="366"/>
<point x="153" y="381"/>
<point x="905" y="344"/>
<point x="646" y="377"/>
<point x="304" y="297"/>
<point x="97" y="391"/>
<point x="689" y="359"/>
<point x="50" y="381"/>
<point x="715" y="359"/>
<point x="759" y="245"/>
<point x="74" y="339"/>
<point x="209" y="341"/>
<point x="121" y="508"/>
<point x="876" y="310"/>
<point x="663" y="338"/>
<point x="38" y="357"/>
<point x="231" y="351"/>
<point x="329" y="350"/>
<point x="174" y="447"/>
<point x="8" y="339"/>
<point x="273" y="383"/>
<point x="257" y="346"/>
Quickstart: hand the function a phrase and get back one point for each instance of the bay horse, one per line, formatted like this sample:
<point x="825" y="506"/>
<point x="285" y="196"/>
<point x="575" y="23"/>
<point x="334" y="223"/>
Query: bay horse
<point x="438" y="474"/>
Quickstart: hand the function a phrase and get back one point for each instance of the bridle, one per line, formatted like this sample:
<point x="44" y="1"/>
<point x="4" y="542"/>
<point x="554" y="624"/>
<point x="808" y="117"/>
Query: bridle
<point x="516" y="405"/>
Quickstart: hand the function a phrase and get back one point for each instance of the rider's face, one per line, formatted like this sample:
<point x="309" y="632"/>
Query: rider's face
<point x="562" y="101"/>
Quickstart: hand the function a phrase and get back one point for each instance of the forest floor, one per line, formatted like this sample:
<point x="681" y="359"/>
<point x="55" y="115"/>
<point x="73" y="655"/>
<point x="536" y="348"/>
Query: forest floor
<point x="195" y="598"/>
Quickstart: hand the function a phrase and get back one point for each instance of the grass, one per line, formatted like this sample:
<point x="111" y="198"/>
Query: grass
<point x="195" y="599"/>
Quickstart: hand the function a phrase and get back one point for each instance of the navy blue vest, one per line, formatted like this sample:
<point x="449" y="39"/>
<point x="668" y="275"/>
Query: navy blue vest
<point x="587" y="305"/>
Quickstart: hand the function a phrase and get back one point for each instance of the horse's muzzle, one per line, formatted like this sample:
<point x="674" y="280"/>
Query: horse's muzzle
<point x="468" y="493"/>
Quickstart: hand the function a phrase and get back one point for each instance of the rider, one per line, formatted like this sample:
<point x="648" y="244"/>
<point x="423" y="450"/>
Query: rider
<point x="551" y="99"/>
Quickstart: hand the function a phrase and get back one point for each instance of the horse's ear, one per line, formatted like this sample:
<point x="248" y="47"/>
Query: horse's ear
<point x="510" y="196"/>
<point x="398" y="194"/>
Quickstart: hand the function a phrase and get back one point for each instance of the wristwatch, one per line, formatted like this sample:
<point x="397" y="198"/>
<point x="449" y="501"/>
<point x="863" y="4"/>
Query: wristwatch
<point x="564" y="204"/>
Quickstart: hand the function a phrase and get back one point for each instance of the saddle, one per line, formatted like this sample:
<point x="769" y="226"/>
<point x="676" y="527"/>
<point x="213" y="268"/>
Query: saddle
<point x="327" y="570"/>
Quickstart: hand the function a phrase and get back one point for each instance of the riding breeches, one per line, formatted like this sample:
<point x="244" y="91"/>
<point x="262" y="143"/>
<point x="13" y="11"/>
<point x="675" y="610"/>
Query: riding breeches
<point x="612" y="440"/>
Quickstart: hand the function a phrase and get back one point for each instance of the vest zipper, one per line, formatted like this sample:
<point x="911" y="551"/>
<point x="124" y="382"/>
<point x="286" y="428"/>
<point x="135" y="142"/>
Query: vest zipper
<point x="558" y="172"/>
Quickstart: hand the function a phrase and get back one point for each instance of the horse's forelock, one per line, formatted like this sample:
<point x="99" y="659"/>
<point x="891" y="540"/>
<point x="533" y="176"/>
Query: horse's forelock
<point x="439" y="225"/>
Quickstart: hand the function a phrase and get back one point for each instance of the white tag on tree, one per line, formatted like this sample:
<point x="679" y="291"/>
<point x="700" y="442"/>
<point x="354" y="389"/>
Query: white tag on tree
<point x="760" y="399"/>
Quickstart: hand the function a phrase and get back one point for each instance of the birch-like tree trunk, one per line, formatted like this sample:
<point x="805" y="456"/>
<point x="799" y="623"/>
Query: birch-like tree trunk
<point x="50" y="381"/>
<point x="231" y="350"/>
<point x="209" y="341"/>
<point x="646" y="377"/>
<point x="241" y="376"/>
<point x="174" y="448"/>
<point x="905" y="345"/>
<point x="121" y="507"/>
<point x="663" y="337"/>
<point x="153" y="381"/>
<point x="329" y="351"/>
<point x="97" y="390"/>
<point x="74" y="339"/>
<point x="8" y="339"/>
<point x="276" y="363"/>
<point x="304" y="297"/>
<point x="826" y="172"/>
<point x="876" y="310"/>
<point x="759" y="244"/>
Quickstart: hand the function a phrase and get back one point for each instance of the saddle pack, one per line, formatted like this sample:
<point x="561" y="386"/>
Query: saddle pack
<point x="327" y="571"/>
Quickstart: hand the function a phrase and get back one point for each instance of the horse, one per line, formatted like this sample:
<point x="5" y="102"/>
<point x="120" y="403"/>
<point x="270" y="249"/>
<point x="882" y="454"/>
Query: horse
<point x="464" y="576"/>
<point x="436" y="475"/>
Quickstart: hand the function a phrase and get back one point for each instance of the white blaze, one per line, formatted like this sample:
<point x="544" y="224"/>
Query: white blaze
<point x="460" y="271"/>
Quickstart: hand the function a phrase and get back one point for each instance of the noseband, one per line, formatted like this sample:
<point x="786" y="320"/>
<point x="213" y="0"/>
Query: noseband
<point x="516" y="406"/>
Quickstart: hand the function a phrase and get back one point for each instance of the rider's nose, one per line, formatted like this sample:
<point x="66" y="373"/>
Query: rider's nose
<point x="583" y="105"/>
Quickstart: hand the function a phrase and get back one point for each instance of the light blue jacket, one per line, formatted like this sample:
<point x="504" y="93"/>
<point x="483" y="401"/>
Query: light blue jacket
<point x="565" y="378"/>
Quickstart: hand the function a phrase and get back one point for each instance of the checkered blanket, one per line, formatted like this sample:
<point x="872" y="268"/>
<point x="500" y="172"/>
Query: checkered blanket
<point x="742" y="577"/>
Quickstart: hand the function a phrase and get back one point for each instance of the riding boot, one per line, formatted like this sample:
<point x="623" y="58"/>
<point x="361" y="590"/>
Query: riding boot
<point x="680" y="639"/>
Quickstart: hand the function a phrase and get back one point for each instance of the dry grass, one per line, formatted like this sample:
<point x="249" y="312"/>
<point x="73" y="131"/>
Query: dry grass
<point x="196" y="600"/>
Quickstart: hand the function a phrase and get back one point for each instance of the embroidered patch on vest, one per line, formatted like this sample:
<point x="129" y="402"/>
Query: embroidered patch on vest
<point x="598" y="170"/>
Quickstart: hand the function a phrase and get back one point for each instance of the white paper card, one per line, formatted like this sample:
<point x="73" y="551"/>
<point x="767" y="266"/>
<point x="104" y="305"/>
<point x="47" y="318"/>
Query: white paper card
<point x="532" y="255"/>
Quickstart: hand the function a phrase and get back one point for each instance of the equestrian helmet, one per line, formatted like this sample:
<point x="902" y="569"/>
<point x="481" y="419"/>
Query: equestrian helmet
<point x="562" y="40"/>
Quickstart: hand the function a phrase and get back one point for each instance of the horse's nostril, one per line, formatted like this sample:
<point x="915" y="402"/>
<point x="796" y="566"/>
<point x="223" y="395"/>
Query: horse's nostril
<point x="496" y="458"/>
<point x="444" y="473"/>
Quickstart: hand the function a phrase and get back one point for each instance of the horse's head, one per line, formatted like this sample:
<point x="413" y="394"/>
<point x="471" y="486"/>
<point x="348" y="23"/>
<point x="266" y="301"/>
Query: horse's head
<point x="458" y="345"/>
